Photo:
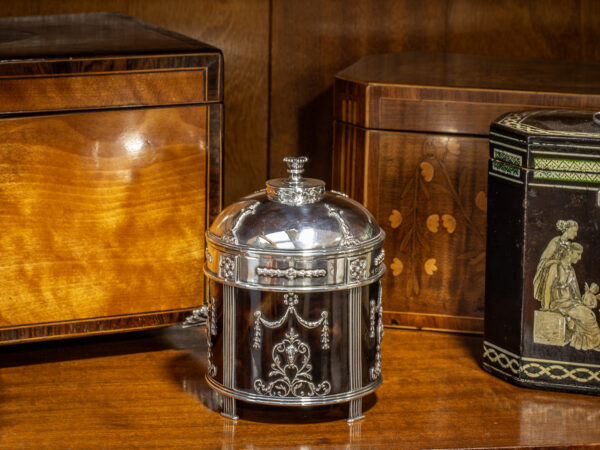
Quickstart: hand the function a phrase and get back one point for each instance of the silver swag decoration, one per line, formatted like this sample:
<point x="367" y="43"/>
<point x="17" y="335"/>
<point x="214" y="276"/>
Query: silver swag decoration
<point x="291" y="367"/>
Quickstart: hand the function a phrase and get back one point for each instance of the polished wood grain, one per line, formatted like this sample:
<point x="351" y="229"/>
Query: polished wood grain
<point x="103" y="213"/>
<point x="90" y="92"/>
<point x="453" y="93"/>
<point x="56" y="35"/>
<point x="92" y="61"/>
<point x="70" y="329"/>
<point x="148" y="390"/>
<point x="241" y="31"/>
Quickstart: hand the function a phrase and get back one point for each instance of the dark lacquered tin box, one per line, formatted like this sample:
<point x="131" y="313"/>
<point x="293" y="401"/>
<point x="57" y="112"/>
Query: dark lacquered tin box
<point x="543" y="270"/>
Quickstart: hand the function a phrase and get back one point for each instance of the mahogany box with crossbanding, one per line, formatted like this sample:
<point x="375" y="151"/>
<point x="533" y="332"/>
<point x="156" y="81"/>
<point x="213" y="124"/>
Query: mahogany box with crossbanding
<point x="110" y="170"/>
<point x="411" y="143"/>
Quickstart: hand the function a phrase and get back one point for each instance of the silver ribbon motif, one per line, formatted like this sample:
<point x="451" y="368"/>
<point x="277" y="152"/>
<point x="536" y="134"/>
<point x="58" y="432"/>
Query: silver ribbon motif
<point x="290" y="273"/>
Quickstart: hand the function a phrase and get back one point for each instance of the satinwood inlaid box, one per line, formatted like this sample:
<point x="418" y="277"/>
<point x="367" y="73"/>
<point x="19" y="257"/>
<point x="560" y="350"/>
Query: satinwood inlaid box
<point x="110" y="167"/>
<point x="411" y="143"/>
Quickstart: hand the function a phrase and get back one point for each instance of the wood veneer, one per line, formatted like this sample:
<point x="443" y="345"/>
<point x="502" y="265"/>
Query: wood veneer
<point x="148" y="389"/>
<point x="411" y="143"/>
<point x="110" y="172"/>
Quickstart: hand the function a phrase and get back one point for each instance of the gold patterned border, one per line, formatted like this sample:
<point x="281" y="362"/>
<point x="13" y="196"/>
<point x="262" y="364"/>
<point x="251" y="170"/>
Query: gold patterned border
<point x="533" y="368"/>
<point x="577" y="177"/>
<point x="514" y="121"/>
<point x="570" y="165"/>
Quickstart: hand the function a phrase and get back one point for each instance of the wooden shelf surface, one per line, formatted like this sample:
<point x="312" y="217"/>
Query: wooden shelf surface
<point x="148" y="390"/>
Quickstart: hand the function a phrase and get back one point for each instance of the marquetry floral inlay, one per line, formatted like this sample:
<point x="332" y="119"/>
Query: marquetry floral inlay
<point x="436" y="205"/>
<point x="395" y="218"/>
<point x="397" y="267"/>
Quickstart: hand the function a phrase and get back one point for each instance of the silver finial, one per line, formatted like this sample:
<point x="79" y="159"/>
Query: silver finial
<point x="295" y="167"/>
<point x="295" y="190"/>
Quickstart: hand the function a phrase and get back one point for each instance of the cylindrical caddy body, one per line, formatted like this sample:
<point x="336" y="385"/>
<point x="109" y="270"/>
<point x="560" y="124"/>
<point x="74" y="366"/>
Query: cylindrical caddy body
<point x="294" y="298"/>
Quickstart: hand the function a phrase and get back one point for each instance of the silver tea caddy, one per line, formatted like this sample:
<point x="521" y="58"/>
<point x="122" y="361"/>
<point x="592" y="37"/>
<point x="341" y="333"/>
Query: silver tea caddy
<point x="294" y="313"/>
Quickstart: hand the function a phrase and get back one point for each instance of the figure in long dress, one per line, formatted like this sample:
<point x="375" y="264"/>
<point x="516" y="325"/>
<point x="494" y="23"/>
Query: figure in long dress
<point x="560" y="293"/>
<point x="568" y="229"/>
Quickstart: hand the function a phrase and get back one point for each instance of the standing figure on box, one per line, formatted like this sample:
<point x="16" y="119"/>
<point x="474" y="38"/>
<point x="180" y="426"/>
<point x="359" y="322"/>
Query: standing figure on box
<point x="568" y="229"/>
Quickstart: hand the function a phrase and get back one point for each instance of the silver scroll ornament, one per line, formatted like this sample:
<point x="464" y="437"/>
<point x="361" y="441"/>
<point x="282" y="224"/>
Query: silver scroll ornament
<point x="291" y="369"/>
<point x="348" y="239"/>
<point x="231" y="235"/>
<point x="290" y="273"/>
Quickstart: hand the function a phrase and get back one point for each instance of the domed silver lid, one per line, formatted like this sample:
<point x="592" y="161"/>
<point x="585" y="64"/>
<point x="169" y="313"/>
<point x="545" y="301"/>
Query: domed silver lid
<point x="295" y="214"/>
<point x="295" y="235"/>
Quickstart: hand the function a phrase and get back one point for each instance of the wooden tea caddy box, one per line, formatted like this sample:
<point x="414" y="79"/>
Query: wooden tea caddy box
<point x="110" y="171"/>
<point x="411" y="142"/>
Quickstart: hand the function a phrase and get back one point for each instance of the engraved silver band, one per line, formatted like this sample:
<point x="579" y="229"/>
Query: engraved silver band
<point x="293" y="401"/>
<point x="295" y="195"/>
<point x="295" y="271"/>
<point x="295" y="288"/>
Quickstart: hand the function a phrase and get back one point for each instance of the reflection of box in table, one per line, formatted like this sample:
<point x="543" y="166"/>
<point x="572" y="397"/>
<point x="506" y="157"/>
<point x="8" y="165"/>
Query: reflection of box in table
<point x="411" y="143"/>
<point x="549" y="328"/>
<point x="110" y="144"/>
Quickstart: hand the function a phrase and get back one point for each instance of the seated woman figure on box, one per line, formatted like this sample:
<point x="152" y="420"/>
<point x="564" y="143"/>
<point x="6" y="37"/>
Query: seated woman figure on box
<point x="559" y="291"/>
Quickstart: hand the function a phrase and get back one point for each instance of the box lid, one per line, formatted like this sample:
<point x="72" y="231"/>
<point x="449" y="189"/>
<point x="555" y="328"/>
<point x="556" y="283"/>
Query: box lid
<point x="101" y="60"/>
<point x="454" y="93"/>
<point x="548" y="140"/>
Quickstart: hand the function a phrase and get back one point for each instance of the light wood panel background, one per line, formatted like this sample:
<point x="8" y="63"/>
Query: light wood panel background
<point x="281" y="56"/>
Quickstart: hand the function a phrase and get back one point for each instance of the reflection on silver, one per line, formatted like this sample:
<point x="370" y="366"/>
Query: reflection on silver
<point x="208" y="255"/>
<point x="354" y="432"/>
<point x="231" y="235"/>
<point x="348" y="240"/>
<point x="375" y="371"/>
<point x="339" y="193"/>
<point x="290" y="300"/>
<point x="292" y="369"/>
<point x="290" y="273"/>
<point x="331" y="224"/>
